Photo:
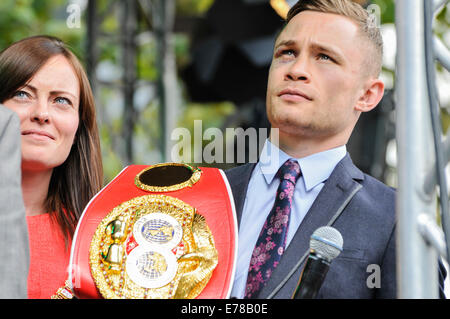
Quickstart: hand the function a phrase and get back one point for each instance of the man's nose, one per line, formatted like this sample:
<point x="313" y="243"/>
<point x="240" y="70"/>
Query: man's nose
<point x="299" y="69"/>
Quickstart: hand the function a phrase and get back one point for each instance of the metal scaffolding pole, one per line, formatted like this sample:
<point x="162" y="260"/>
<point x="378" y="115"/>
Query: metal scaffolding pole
<point x="417" y="275"/>
<point x="163" y="21"/>
<point x="91" y="43"/>
<point x="125" y="40"/>
<point x="129" y="48"/>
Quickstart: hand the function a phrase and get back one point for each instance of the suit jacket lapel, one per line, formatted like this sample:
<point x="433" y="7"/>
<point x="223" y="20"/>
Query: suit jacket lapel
<point x="331" y="201"/>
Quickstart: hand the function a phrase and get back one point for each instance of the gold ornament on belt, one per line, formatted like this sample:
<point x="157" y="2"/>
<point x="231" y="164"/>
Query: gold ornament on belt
<point x="167" y="177"/>
<point x="152" y="246"/>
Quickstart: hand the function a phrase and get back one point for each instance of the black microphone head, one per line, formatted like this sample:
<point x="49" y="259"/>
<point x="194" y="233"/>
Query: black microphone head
<point x="327" y="242"/>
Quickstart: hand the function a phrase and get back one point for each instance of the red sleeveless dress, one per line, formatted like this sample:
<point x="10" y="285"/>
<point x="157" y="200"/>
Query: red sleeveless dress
<point x="49" y="257"/>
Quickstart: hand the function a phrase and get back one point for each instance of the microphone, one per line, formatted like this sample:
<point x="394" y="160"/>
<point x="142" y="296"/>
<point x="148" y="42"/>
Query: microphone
<point x="325" y="245"/>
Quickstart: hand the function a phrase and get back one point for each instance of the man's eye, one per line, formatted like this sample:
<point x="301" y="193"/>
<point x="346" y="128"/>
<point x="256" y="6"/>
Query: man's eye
<point x="324" y="57"/>
<point x="284" y="53"/>
<point x="288" y="52"/>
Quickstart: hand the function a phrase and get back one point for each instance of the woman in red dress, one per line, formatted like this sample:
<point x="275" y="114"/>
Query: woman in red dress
<point x="45" y="84"/>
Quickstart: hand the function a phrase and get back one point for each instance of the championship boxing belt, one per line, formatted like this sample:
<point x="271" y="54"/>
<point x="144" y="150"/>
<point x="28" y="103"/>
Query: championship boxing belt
<point x="161" y="231"/>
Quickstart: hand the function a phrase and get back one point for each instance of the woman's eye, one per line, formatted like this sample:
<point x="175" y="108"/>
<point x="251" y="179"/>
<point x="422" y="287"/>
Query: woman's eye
<point x="21" y="95"/>
<point x="62" y="100"/>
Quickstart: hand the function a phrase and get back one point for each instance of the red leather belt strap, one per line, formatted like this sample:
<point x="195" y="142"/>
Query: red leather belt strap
<point x="211" y="197"/>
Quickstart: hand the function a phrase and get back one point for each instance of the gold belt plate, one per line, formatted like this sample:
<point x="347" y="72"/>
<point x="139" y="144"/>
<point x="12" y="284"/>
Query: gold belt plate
<point x="152" y="247"/>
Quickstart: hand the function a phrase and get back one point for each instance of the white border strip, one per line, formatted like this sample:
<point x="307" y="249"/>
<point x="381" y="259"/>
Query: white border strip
<point x="236" y="231"/>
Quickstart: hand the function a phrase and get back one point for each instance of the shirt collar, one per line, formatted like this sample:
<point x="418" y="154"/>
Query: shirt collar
<point x="316" y="168"/>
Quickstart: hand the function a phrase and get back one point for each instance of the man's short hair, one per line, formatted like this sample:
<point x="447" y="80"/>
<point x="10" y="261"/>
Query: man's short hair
<point x="356" y="13"/>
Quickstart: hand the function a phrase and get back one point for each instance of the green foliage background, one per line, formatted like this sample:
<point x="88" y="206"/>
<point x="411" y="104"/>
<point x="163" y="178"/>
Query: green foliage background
<point x="23" y="18"/>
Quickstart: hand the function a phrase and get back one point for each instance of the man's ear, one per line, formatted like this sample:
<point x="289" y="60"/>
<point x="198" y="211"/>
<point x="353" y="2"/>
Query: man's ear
<point x="372" y="95"/>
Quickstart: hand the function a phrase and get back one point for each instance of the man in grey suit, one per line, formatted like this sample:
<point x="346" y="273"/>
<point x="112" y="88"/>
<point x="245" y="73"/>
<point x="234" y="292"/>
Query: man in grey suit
<point x="324" y="74"/>
<point x="14" y="254"/>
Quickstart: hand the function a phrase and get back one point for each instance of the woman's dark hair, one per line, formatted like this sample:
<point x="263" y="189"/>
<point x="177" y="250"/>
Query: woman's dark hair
<point x="80" y="177"/>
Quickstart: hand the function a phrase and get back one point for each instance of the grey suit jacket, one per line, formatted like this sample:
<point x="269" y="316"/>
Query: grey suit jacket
<point x="362" y="209"/>
<point x="14" y="254"/>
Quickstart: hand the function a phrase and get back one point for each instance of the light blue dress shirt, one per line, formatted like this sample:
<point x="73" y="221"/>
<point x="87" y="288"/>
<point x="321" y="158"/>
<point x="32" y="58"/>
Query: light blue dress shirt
<point x="260" y="198"/>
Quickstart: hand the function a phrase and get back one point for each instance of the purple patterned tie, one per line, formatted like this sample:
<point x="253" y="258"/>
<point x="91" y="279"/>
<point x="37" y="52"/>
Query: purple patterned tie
<point x="272" y="238"/>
